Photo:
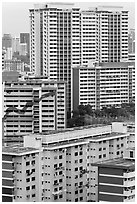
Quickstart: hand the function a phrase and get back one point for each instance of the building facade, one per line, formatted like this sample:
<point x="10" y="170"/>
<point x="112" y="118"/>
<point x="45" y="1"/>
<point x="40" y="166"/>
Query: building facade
<point x="20" y="170"/>
<point x="15" y="45"/>
<point x="68" y="164"/>
<point x="103" y="84"/>
<point x="25" y="38"/>
<point x="34" y="106"/>
<point x="66" y="172"/>
<point x="116" y="180"/>
<point x="13" y="65"/>
<point x="63" y="36"/>
<point x="131" y="41"/>
<point x="6" y="41"/>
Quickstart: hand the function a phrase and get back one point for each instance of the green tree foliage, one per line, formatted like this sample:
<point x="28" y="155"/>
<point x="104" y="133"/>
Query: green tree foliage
<point x="85" y="115"/>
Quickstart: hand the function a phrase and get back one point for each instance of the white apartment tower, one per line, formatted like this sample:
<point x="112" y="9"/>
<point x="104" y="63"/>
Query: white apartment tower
<point x="55" y="41"/>
<point x="63" y="36"/>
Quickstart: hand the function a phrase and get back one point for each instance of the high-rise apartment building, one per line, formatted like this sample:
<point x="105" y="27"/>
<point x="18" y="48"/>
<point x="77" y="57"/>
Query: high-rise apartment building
<point x="15" y="44"/>
<point x="34" y="105"/>
<point x="6" y="41"/>
<point x="62" y="36"/>
<point x="65" y="169"/>
<point x="131" y="41"/>
<point x="55" y="31"/>
<point x="103" y="84"/>
<point x="25" y="38"/>
<point x="3" y="58"/>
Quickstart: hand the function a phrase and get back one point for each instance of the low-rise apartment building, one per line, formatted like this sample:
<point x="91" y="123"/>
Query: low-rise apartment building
<point x="20" y="174"/>
<point x="34" y="106"/>
<point x="116" y="180"/>
<point x="66" y="158"/>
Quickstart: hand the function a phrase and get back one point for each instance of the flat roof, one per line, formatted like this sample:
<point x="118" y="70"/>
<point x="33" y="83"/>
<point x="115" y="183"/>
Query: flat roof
<point x="118" y="163"/>
<point x="17" y="150"/>
<point x="72" y="129"/>
<point x="113" y="134"/>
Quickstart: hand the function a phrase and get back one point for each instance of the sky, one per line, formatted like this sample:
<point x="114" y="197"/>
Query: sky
<point x="15" y="15"/>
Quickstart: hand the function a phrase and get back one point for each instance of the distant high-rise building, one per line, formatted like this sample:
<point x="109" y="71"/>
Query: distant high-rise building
<point x="25" y="38"/>
<point x="6" y="41"/>
<point x="62" y="36"/>
<point x="131" y="41"/>
<point x="3" y="57"/>
<point x="23" y="49"/>
<point x="9" y="52"/>
<point x="15" y="44"/>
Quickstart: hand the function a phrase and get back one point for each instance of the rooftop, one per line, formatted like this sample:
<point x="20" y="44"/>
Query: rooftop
<point x="17" y="150"/>
<point x="118" y="163"/>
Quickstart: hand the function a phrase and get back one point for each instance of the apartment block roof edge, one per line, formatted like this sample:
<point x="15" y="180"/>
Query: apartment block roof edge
<point x="118" y="163"/>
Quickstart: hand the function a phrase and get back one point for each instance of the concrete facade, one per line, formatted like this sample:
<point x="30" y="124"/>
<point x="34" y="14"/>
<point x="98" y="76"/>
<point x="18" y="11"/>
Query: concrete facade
<point x="103" y="84"/>
<point x="34" y="106"/>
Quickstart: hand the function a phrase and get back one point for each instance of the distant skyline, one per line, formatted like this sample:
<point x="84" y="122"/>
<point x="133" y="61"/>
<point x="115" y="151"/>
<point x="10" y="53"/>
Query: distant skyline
<point x="15" y="15"/>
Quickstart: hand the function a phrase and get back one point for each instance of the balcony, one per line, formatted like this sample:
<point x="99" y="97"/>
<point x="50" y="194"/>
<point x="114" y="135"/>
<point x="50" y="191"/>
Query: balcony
<point x="129" y="183"/>
<point x="57" y="192"/>
<point x="129" y="192"/>
<point x="129" y="174"/>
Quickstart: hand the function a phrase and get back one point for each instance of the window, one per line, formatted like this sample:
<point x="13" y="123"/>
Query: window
<point x="60" y="156"/>
<point x="76" y="200"/>
<point x="60" y="196"/>
<point x="100" y="156"/>
<point x="33" y="179"/>
<point x="104" y="155"/>
<point x="33" y="195"/>
<point x="60" y="164"/>
<point x="80" y="153"/>
<point x="55" y="189"/>
<point x="28" y="188"/>
<point x="76" y="192"/>
<point x="76" y="161"/>
<point x="81" y="191"/>
<point x="118" y="153"/>
<point x="76" y="153"/>
<point x="60" y="188"/>
<point x="55" y="197"/>
<point x="33" y="186"/>
<point x="81" y="183"/>
<point x="55" y="165"/>
<point x="81" y="198"/>
<point x="33" y="162"/>
<point x="100" y="149"/>
<point x="60" y="172"/>
<point x="81" y="160"/>
<point x="28" y="180"/>
<point x="131" y="154"/>
<point x="76" y="169"/>
<point x="33" y="170"/>
<point x="27" y="163"/>
<point x="60" y="180"/>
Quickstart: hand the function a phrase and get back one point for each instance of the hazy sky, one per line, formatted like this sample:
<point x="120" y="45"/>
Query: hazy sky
<point x="15" y="15"/>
